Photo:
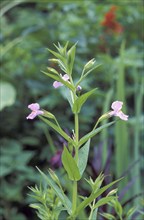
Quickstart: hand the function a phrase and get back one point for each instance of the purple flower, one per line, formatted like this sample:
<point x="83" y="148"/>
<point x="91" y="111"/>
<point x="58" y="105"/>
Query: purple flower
<point x="117" y="106"/>
<point x="35" y="111"/>
<point x="57" y="84"/>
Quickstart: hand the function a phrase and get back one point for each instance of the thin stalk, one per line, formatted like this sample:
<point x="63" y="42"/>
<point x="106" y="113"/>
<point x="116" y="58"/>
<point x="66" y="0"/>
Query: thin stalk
<point x="96" y="125"/>
<point x="92" y="210"/>
<point x="81" y="78"/>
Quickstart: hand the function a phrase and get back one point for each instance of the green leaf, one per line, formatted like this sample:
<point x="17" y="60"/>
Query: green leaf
<point x="93" y="133"/>
<point x="108" y="216"/>
<point x="62" y="50"/>
<point x="70" y="165"/>
<point x="94" y="215"/>
<point x="131" y="211"/>
<point x="64" y="199"/>
<point x="93" y="196"/>
<point x="96" y="184"/>
<point x="81" y="100"/>
<point x="59" y="79"/>
<point x="65" y="48"/>
<point x="59" y="56"/>
<point x="56" y="128"/>
<point x="71" y="58"/>
<point x="83" y="157"/>
<point x="118" y="208"/>
<point x="7" y="94"/>
<point x="104" y="201"/>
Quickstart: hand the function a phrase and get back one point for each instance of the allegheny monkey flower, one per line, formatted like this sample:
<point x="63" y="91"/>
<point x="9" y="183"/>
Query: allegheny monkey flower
<point x="57" y="84"/>
<point x="117" y="106"/>
<point x="35" y="111"/>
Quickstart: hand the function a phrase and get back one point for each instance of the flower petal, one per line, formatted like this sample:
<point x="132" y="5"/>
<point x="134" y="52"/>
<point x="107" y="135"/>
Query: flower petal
<point x="122" y="116"/>
<point x="117" y="106"/>
<point x="57" y="84"/>
<point x="65" y="77"/>
<point x="32" y="115"/>
<point x="34" y="106"/>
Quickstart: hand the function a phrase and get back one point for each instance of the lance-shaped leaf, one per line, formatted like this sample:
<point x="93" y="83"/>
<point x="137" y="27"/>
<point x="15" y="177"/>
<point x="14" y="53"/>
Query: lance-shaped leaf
<point x="93" y="196"/>
<point x="93" y="133"/>
<point x="60" y="79"/>
<point x="64" y="199"/>
<point x="131" y="211"/>
<point x="70" y="165"/>
<point x="81" y="100"/>
<point x="58" y="129"/>
<point x="104" y="201"/>
<point x="71" y="58"/>
<point x="83" y="157"/>
<point x="57" y="55"/>
<point x="62" y="50"/>
<point x="107" y="216"/>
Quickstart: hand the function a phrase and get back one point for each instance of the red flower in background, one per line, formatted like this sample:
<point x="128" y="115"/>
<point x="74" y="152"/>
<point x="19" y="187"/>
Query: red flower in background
<point x="110" y="22"/>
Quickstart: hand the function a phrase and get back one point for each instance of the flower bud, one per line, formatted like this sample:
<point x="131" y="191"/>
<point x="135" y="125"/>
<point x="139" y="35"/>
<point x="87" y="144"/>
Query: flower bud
<point x="112" y="192"/>
<point x="53" y="60"/>
<point x="52" y="70"/>
<point x="55" y="178"/>
<point x="89" y="64"/>
<point x="79" y="88"/>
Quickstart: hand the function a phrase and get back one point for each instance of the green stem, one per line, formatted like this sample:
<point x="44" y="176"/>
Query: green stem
<point x="76" y="135"/>
<point x="95" y="125"/>
<point x="92" y="210"/>
<point x="74" y="200"/>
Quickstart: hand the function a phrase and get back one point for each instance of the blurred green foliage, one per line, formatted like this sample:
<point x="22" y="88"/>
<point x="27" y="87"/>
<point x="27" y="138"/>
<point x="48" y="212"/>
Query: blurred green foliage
<point x="27" y="29"/>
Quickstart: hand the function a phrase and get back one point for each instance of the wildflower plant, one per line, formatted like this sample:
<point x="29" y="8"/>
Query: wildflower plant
<point x="52" y="200"/>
